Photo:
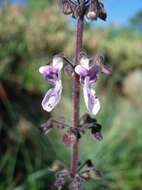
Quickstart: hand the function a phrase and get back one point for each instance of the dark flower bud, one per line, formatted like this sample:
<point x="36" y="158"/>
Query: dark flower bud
<point x="102" y="13"/>
<point x="78" y="11"/>
<point x="96" y="128"/>
<point x="96" y="10"/>
<point x="96" y="131"/>
<point x="93" y="10"/>
<point x="78" y="135"/>
<point x="89" y="163"/>
<point x="88" y="119"/>
<point x="66" y="7"/>
<point x="76" y="132"/>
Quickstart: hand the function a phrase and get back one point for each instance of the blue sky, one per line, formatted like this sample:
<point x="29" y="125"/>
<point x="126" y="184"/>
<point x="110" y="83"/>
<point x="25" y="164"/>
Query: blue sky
<point x="119" y="11"/>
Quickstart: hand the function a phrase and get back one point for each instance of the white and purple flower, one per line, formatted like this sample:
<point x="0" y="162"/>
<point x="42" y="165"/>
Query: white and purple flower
<point x="52" y="73"/>
<point x="89" y="70"/>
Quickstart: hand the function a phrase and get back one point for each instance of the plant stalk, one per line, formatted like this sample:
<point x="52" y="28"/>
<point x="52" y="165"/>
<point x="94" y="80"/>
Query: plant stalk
<point x="76" y="94"/>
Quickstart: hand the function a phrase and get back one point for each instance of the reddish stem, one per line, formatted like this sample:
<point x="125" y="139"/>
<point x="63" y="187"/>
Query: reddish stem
<point x="76" y="94"/>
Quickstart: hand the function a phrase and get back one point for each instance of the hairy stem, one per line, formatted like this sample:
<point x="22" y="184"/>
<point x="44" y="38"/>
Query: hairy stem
<point x="76" y="94"/>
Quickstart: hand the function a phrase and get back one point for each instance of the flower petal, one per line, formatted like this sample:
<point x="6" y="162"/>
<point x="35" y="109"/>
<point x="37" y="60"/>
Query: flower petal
<point x="44" y="69"/>
<point x="93" y="73"/>
<point x="52" y="73"/>
<point x="52" y="97"/>
<point x="81" y="70"/>
<point x="91" y="100"/>
<point x="57" y="62"/>
<point x="84" y="61"/>
<point x="49" y="73"/>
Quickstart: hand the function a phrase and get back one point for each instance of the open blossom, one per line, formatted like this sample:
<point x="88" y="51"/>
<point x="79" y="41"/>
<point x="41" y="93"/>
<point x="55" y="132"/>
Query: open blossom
<point x="52" y="73"/>
<point x="89" y="70"/>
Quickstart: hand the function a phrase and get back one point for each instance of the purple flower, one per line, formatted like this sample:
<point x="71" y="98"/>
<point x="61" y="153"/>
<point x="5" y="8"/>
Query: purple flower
<point x="88" y="77"/>
<point x="52" y="73"/>
<point x="89" y="70"/>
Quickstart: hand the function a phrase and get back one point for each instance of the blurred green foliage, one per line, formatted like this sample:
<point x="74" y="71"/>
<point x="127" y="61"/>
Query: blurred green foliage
<point x="136" y="20"/>
<point x="28" y="41"/>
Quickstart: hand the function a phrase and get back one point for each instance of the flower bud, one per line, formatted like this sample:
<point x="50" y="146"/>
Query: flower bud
<point x="77" y="183"/>
<point x="93" y="10"/>
<point x="69" y="138"/>
<point x="47" y="126"/>
<point x="66" y="7"/>
<point x="59" y="182"/>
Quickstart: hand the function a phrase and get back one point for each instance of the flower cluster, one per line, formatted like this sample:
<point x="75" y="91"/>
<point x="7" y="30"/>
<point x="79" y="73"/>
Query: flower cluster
<point x="92" y="9"/>
<point x="88" y="70"/>
<point x="71" y="134"/>
<point x="77" y="183"/>
<point x="85" y="172"/>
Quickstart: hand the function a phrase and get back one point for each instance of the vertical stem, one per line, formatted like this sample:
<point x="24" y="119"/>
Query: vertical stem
<point x="76" y="94"/>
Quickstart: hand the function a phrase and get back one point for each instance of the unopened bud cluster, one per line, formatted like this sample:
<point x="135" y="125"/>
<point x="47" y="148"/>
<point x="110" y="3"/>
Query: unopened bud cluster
<point x="92" y="9"/>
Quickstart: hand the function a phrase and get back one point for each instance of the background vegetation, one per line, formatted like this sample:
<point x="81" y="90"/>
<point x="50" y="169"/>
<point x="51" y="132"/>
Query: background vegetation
<point x="29" y="37"/>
